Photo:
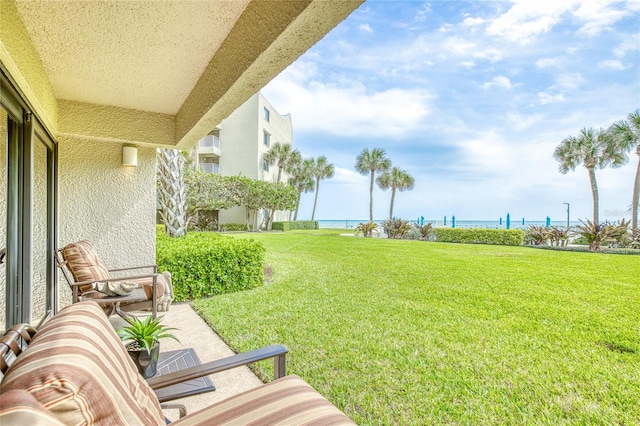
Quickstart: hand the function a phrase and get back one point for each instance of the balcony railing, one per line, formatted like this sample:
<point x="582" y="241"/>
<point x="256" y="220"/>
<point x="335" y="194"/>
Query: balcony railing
<point x="210" y="168"/>
<point x="210" y="141"/>
<point x="209" y="145"/>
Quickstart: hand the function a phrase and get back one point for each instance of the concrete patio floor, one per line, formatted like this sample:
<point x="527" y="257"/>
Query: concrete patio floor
<point x="193" y="332"/>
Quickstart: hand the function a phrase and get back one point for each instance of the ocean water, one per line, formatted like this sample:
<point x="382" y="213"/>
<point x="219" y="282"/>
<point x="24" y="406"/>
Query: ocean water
<point x="495" y="224"/>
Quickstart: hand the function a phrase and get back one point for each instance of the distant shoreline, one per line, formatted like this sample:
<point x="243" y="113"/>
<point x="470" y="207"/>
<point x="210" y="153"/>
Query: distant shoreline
<point x="440" y="223"/>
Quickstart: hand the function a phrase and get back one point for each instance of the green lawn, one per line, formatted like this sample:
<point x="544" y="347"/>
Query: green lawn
<point x="411" y="333"/>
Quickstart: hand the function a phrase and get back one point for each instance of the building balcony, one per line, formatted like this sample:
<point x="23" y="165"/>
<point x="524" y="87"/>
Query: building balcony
<point x="210" y="168"/>
<point x="209" y="145"/>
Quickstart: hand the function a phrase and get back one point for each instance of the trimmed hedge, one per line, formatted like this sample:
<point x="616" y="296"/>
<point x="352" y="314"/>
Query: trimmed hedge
<point x="298" y="224"/>
<point x="505" y="237"/>
<point x="206" y="263"/>
<point x="233" y="227"/>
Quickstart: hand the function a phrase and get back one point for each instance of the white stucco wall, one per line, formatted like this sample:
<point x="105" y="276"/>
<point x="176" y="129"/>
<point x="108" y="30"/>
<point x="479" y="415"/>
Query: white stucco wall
<point x="3" y="213"/>
<point x="111" y="205"/>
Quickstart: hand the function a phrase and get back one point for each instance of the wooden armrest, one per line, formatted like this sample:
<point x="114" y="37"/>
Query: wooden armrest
<point x="155" y="268"/>
<point x="278" y="352"/>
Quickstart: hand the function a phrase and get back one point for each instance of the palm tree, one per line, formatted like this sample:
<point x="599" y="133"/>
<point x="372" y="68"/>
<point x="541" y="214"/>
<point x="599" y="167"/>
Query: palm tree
<point x="302" y="179"/>
<point x="590" y="148"/>
<point x="396" y="179"/>
<point x="322" y="169"/>
<point x="172" y="192"/>
<point x="281" y="155"/>
<point x="370" y="162"/>
<point x="626" y="134"/>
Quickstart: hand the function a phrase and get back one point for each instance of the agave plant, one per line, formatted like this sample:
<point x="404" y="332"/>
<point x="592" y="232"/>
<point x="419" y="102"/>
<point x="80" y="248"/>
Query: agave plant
<point x="366" y="229"/>
<point x="425" y="230"/>
<point x="396" y="228"/>
<point x="537" y="235"/>
<point x="145" y="332"/>
<point x="559" y="236"/>
<point x="618" y="234"/>
<point x="597" y="234"/>
<point x="635" y="239"/>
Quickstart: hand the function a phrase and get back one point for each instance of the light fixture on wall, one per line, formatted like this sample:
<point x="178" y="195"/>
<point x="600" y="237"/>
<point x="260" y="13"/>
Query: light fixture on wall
<point x="129" y="155"/>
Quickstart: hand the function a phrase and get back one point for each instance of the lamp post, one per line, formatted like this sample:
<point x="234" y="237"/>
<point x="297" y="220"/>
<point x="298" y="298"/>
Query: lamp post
<point x="567" y="213"/>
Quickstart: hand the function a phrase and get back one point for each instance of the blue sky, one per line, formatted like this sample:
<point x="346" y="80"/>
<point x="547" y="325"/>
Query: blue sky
<point x="471" y="98"/>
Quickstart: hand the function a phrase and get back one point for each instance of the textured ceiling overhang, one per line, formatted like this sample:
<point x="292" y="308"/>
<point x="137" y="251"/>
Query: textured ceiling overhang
<point x="153" y="72"/>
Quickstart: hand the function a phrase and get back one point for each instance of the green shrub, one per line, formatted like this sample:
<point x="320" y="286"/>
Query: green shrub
<point x="233" y="227"/>
<point x="504" y="237"/>
<point x="206" y="264"/>
<point x="292" y="225"/>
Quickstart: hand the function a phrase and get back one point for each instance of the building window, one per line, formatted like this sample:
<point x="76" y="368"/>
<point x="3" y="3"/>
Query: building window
<point x="265" y="165"/>
<point x="266" y="114"/>
<point x="266" y="139"/>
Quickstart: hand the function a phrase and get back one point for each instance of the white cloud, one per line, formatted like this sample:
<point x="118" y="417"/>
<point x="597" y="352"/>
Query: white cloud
<point x="527" y="19"/>
<point x="459" y="46"/>
<point x="598" y="16"/>
<point x="348" y="177"/>
<point x="547" y="62"/>
<point x="548" y="98"/>
<point x="521" y="122"/>
<point x="498" y="81"/>
<point x="423" y="12"/>
<point x="473" y="22"/>
<point x="570" y="81"/>
<point x="366" y="28"/>
<point x="625" y="47"/>
<point x="347" y="107"/>
<point x="611" y="64"/>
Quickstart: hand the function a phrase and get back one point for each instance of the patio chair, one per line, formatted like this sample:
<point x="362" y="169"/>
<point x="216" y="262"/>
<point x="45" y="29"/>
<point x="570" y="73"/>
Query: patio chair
<point x="82" y="267"/>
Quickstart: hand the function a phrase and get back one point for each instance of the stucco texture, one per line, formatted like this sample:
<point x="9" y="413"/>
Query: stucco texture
<point x="3" y="213"/>
<point x="111" y="205"/>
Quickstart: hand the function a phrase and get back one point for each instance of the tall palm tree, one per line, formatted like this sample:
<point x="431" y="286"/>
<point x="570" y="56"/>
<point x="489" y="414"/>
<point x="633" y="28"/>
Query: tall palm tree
<point x="302" y="179"/>
<point x="322" y="169"/>
<point x="281" y="155"/>
<point x="370" y="162"/>
<point x="590" y="148"/>
<point x="396" y="179"/>
<point x="626" y="134"/>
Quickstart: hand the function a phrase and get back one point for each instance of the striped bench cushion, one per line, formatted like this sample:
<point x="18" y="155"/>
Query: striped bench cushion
<point x="286" y="401"/>
<point x="18" y="407"/>
<point x="77" y="368"/>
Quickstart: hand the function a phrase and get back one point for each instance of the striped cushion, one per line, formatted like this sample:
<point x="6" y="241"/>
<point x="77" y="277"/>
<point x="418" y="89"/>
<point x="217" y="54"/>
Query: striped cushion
<point x="19" y="407"/>
<point x="84" y="263"/>
<point x="287" y="401"/>
<point x="76" y="366"/>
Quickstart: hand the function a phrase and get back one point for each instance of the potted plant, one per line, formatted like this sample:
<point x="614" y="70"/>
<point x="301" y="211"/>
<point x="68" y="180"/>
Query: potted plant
<point x="143" y="337"/>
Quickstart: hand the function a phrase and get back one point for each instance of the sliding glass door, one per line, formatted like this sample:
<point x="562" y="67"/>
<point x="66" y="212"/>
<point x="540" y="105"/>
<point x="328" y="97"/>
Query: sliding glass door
<point x="28" y="160"/>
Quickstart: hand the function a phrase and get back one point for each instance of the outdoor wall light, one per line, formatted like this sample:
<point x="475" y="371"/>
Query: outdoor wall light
<point x="130" y="156"/>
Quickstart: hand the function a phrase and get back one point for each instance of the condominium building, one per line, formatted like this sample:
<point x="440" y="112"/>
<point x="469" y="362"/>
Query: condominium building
<point x="237" y="147"/>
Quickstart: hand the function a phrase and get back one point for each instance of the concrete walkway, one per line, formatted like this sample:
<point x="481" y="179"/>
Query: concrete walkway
<point x="193" y="332"/>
